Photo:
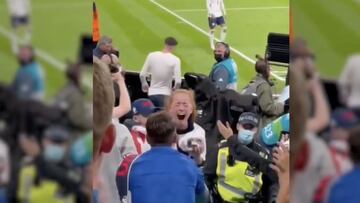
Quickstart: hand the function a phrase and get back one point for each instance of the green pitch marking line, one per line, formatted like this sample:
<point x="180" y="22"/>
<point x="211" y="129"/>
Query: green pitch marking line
<point x="236" y="9"/>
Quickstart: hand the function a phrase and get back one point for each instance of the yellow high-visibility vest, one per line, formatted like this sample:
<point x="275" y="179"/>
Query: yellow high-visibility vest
<point x="237" y="180"/>
<point x="44" y="193"/>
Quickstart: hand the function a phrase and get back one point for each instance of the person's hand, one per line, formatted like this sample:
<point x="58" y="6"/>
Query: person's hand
<point x="145" y="88"/>
<point x="225" y="131"/>
<point x="299" y="65"/>
<point x="196" y="154"/>
<point x="284" y="137"/>
<point x="310" y="68"/>
<point x="29" y="145"/>
<point x="106" y="59"/>
<point x="281" y="160"/>
<point x="117" y="77"/>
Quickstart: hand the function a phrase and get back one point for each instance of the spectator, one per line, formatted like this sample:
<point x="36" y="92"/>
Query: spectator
<point x="346" y="189"/>
<point x="224" y="72"/>
<point x="103" y="47"/>
<point x="281" y="159"/>
<point x="56" y="177"/>
<point x="341" y="122"/>
<point x="104" y="130"/>
<point x="177" y="178"/>
<point x="29" y="79"/>
<point x="142" y="109"/>
<point x="112" y="61"/>
<point x="122" y="144"/>
<point x="191" y="137"/>
<point x="240" y="154"/>
<point x="71" y="99"/>
<point x="319" y="113"/>
<point x="349" y="82"/>
<point x="312" y="164"/>
<point x="261" y="86"/>
<point x="162" y="67"/>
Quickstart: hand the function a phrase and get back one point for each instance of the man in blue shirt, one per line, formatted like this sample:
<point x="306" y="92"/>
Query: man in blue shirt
<point x="163" y="175"/>
<point x="347" y="188"/>
<point x="29" y="79"/>
<point x="224" y="73"/>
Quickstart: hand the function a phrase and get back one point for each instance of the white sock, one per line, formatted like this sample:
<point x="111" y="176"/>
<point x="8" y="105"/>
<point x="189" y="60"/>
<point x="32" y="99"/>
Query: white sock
<point x="223" y="34"/>
<point x="212" y="36"/>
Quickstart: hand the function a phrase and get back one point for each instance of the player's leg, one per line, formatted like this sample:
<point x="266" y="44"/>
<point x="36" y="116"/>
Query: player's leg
<point x="221" y="22"/>
<point x="212" y="25"/>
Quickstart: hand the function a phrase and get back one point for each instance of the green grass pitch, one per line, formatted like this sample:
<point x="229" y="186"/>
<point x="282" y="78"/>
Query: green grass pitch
<point x="140" y="26"/>
<point x="332" y="29"/>
<point x="57" y="26"/>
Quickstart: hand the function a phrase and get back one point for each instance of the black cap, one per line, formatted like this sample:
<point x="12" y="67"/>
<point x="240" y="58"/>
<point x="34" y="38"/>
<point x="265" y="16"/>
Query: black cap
<point x="249" y="118"/>
<point x="57" y="134"/>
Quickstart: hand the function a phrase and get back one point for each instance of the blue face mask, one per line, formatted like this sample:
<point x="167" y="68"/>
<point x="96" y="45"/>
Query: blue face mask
<point x="246" y="136"/>
<point x="54" y="153"/>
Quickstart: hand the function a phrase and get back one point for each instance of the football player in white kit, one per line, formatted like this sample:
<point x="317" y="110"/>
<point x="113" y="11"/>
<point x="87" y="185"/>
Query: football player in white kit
<point x="20" y="22"/>
<point x="216" y="17"/>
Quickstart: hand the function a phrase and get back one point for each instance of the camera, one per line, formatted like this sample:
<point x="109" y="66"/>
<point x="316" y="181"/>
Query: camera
<point x="192" y="143"/>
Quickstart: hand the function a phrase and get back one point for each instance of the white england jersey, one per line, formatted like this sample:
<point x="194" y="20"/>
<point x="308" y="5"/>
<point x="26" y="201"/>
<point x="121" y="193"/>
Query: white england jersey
<point x="19" y="8"/>
<point x="216" y="8"/>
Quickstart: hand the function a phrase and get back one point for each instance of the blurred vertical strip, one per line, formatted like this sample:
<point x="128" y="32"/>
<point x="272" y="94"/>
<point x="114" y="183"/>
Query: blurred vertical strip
<point x="96" y="24"/>
<point x="292" y="35"/>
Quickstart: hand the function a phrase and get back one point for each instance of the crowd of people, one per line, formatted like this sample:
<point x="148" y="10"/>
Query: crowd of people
<point x="46" y="143"/>
<point x="326" y="145"/>
<point x="157" y="150"/>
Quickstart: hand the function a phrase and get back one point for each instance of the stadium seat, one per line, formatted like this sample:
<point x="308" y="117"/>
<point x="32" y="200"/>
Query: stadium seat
<point x="85" y="51"/>
<point x="277" y="49"/>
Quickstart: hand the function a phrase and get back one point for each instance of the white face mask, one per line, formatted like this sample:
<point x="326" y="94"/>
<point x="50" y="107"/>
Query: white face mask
<point x="54" y="153"/>
<point x="245" y="136"/>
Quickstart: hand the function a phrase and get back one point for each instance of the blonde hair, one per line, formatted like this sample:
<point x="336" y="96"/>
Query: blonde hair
<point x="190" y="94"/>
<point x="103" y="100"/>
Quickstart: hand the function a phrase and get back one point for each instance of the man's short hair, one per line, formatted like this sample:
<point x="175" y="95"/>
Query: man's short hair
<point x="170" y="41"/>
<point x="160" y="128"/>
<point x="103" y="100"/>
<point x="104" y="40"/>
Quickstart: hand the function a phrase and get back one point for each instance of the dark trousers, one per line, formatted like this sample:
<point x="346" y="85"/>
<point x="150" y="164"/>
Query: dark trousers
<point x="158" y="100"/>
